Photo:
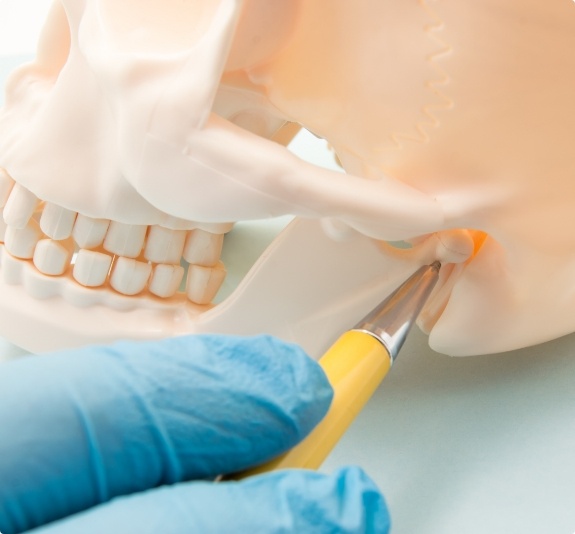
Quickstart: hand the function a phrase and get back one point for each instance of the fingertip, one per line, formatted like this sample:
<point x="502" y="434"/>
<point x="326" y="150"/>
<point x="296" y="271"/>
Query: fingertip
<point x="347" y="501"/>
<point x="279" y="387"/>
<point x="359" y="487"/>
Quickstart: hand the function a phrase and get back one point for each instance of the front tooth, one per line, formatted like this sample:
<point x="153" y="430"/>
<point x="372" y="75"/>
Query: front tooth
<point x="125" y="240"/>
<point x="164" y="245"/>
<point x="57" y="222"/>
<point x="53" y="257"/>
<point x="21" y="242"/>
<point x="20" y="207"/>
<point x="129" y="276"/>
<point x="204" y="282"/>
<point x="203" y="248"/>
<point x="91" y="268"/>
<point x="166" y="280"/>
<point x="6" y="185"/>
<point x="89" y="232"/>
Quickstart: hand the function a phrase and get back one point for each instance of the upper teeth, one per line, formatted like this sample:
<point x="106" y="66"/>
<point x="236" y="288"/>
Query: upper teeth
<point x="128" y="258"/>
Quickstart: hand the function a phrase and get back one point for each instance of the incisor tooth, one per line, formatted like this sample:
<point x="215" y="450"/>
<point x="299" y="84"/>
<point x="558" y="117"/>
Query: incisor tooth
<point x="204" y="282"/>
<point x="164" y="245"/>
<point x="89" y="232"/>
<point x="57" y="222"/>
<point x="91" y="268"/>
<point x="129" y="276"/>
<point x="20" y="207"/>
<point x="6" y="185"/>
<point x="21" y="242"/>
<point x="203" y="248"/>
<point x="166" y="280"/>
<point x="53" y="257"/>
<point x="125" y="240"/>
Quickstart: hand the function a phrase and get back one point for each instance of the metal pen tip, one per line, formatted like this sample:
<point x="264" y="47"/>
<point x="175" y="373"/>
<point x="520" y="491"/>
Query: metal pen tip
<point x="391" y="321"/>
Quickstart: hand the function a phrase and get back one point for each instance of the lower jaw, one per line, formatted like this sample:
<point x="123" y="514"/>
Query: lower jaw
<point x="304" y="288"/>
<point x="40" y="312"/>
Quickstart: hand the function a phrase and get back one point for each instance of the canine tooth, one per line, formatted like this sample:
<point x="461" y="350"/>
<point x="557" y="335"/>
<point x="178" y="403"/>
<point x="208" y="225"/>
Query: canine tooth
<point x="91" y="268"/>
<point x="21" y="242"/>
<point x="57" y="222"/>
<point x="166" y="280"/>
<point x="20" y="207"/>
<point x="129" y="276"/>
<point x="89" y="232"/>
<point x="204" y="282"/>
<point x="6" y="185"/>
<point x="215" y="228"/>
<point x="203" y="248"/>
<point x="125" y="240"/>
<point x="164" y="245"/>
<point x="53" y="257"/>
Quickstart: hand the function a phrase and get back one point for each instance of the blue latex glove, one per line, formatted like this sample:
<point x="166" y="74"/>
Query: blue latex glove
<point x="111" y="440"/>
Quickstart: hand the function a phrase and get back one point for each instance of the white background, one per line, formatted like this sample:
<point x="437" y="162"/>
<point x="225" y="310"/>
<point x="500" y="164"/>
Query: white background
<point x="458" y="446"/>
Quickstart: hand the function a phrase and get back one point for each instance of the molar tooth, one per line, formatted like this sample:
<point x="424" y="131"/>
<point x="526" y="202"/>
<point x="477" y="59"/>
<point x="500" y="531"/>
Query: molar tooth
<point x="91" y="268"/>
<point x="203" y="283"/>
<point x="203" y="248"/>
<point x="6" y="185"/>
<point x="129" y="276"/>
<point x="20" y="207"/>
<point x="57" y="222"/>
<point x="125" y="240"/>
<point x="166" y="280"/>
<point x="21" y="242"/>
<point x="164" y="245"/>
<point x="53" y="257"/>
<point x="89" y="232"/>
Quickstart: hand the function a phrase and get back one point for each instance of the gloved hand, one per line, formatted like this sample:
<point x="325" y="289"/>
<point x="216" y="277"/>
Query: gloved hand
<point x="124" y="439"/>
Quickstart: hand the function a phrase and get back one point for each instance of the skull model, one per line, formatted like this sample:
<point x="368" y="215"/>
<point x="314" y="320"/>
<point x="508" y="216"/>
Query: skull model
<point x="144" y="130"/>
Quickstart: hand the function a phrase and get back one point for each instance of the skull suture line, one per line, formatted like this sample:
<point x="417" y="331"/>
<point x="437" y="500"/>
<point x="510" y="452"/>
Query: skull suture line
<point x="158" y="116"/>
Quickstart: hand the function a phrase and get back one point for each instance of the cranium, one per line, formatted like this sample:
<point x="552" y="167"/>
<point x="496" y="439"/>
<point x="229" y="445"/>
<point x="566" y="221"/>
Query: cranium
<point x="163" y="117"/>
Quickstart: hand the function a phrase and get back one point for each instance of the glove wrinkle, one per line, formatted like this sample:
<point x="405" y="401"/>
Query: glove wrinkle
<point x="95" y="462"/>
<point x="170" y="470"/>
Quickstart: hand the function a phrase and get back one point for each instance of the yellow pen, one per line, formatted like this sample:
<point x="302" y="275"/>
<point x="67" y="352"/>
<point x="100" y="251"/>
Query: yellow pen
<point x="355" y="366"/>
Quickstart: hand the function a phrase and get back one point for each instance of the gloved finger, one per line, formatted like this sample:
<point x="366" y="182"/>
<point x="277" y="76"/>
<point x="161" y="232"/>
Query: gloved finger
<point x="280" y="502"/>
<point x="82" y="427"/>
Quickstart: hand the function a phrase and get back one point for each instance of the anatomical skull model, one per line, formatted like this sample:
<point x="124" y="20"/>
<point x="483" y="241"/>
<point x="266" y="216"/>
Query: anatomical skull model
<point x="145" y="129"/>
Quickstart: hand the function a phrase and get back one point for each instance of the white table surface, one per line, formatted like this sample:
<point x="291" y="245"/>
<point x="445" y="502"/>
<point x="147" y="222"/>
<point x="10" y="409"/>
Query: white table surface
<point x="458" y="445"/>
